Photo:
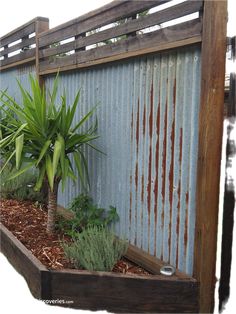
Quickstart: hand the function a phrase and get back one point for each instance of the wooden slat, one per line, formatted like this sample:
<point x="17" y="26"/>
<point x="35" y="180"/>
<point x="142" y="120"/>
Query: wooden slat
<point x="151" y="263"/>
<point x="17" y="63"/>
<point x="25" y="43"/>
<point x="168" y="14"/>
<point x="101" y="290"/>
<point x="167" y="37"/>
<point x="20" y="32"/>
<point x="29" y="29"/>
<point x="22" y="260"/>
<point x="209" y="151"/>
<point x="124" y="293"/>
<point x="161" y="47"/>
<point x="22" y="56"/>
<point x="103" y="16"/>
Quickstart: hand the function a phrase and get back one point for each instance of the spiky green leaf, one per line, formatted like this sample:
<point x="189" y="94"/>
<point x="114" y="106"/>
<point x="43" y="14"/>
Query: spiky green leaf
<point x="43" y="151"/>
<point x="49" y="171"/>
<point x="19" y="146"/>
<point x="56" y="156"/>
<point x="41" y="175"/>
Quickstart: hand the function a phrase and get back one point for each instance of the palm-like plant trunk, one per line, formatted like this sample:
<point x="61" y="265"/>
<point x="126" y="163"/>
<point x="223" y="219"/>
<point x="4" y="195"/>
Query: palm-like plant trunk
<point x="52" y="208"/>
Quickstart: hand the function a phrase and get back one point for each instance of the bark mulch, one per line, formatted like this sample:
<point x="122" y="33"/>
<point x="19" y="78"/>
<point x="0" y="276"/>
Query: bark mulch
<point x="27" y="221"/>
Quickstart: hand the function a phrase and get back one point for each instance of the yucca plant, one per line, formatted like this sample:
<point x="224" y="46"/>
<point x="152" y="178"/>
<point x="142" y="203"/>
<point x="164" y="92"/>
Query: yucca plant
<point x="42" y="135"/>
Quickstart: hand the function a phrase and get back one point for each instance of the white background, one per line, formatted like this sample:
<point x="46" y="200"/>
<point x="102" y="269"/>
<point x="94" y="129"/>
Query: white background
<point x="14" y="292"/>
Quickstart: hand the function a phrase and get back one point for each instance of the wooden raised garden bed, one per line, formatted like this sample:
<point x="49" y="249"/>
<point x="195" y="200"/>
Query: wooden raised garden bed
<point x="104" y="290"/>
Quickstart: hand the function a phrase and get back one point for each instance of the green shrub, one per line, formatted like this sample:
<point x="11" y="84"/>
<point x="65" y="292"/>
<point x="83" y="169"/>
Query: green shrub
<point x="95" y="248"/>
<point x="20" y="188"/>
<point x="86" y="214"/>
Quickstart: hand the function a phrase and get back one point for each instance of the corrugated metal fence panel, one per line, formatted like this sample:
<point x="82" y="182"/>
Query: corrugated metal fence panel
<point x="8" y="79"/>
<point x="148" y="126"/>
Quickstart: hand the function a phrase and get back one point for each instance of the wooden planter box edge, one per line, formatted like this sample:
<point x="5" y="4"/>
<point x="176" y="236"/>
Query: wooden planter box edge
<point x="100" y="290"/>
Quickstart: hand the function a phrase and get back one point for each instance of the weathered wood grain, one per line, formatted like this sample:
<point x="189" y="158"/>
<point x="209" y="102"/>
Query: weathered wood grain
<point x="154" y="40"/>
<point x="17" y="64"/>
<point x="151" y="263"/>
<point x="22" y="56"/>
<point x="112" y="12"/>
<point x="101" y="290"/>
<point x="122" y="293"/>
<point x="40" y="26"/>
<point x="25" y="43"/>
<point x="162" y="47"/>
<point x="20" y="32"/>
<point x="22" y="260"/>
<point x="209" y="152"/>
<point x="130" y="26"/>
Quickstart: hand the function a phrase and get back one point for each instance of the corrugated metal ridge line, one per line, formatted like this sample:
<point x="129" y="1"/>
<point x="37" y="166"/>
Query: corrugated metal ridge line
<point x="148" y="126"/>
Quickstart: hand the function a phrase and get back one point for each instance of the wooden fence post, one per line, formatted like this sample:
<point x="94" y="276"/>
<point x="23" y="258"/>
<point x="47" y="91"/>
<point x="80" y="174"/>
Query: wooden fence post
<point x="41" y="25"/>
<point x="209" y="153"/>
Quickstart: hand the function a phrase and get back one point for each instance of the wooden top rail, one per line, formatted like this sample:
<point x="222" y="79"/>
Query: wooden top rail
<point x="116" y="31"/>
<point x="19" y="46"/>
<point x="116" y="10"/>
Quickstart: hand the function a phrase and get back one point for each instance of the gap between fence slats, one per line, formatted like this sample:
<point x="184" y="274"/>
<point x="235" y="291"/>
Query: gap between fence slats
<point x="133" y="25"/>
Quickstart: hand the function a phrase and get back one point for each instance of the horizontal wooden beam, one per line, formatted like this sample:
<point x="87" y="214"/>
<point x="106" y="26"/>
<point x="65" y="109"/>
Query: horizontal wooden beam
<point x="93" y="290"/>
<point x="20" y="32"/>
<point x="24" y="43"/>
<point x="168" y="38"/>
<point x="17" y="63"/>
<point x="124" y="293"/>
<point x="151" y="263"/>
<point x="159" y="48"/>
<point x="108" y="14"/>
<point x="130" y="26"/>
<point x="22" y="56"/>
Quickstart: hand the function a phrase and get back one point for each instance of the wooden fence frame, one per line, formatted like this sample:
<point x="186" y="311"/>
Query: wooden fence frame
<point x="213" y="46"/>
<point x="21" y="35"/>
<point x="214" y="43"/>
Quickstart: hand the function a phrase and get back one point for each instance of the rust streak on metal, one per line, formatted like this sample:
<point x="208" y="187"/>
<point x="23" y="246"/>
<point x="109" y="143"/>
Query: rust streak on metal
<point x="136" y="176"/>
<point x="164" y="161"/>
<point x="180" y="146"/>
<point x="142" y="190"/>
<point x="151" y="114"/>
<point x="157" y="160"/>
<point x="186" y="221"/>
<point x="156" y="169"/>
<point x="164" y="154"/>
<point x="144" y="120"/>
<point x="171" y="173"/>
<point x="164" y="168"/>
<point x="150" y="153"/>
<point x="174" y="92"/>
<point x="130" y="197"/>
<point x="179" y="191"/>
<point x="177" y="223"/>
<point x="130" y="208"/>
<point x="137" y="128"/>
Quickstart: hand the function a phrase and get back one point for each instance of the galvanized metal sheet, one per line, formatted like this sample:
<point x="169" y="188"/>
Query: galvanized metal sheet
<point x="148" y="126"/>
<point x="8" y="80"/>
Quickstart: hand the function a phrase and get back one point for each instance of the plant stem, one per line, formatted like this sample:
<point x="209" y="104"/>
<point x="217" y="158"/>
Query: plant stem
<point x="52" y="207"/>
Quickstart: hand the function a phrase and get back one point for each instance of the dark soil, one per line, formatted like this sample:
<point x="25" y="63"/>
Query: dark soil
<point x="27" y="222"/>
